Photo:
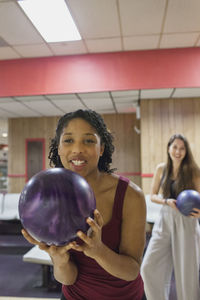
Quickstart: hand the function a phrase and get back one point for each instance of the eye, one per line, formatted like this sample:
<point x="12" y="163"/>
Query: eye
<point x="68" y="141"/>
<point x="89" y="141"/>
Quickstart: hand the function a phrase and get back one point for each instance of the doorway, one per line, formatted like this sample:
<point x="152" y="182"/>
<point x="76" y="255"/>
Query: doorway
<point x="35" y="157"/>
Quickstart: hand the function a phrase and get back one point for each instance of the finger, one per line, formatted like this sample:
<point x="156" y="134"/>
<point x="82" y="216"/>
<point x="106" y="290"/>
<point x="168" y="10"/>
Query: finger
<point x="54" y="248"/>
<point x="67" y="247"/>
<point x="83" y="237"/>
<point x="43" y="246"/>
<point x="194" y="214"/>
<point x="93" y="226"/>
<point x="98" y="218"/>
<point x="29" y="238"/>
<point x="196" y="210"/>
<point x="77" y="247"/>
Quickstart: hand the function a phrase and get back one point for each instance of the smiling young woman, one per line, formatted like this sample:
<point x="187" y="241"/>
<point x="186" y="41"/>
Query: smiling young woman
<point x="104" y="264"/>
<point x="175" y="238"/>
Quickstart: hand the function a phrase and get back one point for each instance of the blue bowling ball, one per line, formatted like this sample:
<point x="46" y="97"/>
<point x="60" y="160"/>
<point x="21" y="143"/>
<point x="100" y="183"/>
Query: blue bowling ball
<point x="187" y="200"/>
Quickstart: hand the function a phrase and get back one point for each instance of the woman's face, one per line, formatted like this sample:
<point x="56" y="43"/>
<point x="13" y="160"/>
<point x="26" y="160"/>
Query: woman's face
<point x="80" y="147"/>
<point x="177" y="150"/>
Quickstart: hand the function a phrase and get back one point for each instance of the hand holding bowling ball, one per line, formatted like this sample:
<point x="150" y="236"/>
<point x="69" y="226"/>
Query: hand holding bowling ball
<point x="187" y="200"/>
<point x="55" y="204"/>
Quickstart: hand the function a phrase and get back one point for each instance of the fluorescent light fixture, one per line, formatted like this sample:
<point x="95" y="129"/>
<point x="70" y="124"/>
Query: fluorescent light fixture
<point x="4" y="134"/>
<point x="52" y="19"/>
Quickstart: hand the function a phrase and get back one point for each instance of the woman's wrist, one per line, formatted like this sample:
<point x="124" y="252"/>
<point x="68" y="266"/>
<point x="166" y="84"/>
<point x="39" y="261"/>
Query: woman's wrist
<point x="166" y="201"/>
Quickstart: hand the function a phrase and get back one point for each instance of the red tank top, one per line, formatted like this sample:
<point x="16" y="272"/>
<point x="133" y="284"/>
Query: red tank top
<point x="93" y="282"/>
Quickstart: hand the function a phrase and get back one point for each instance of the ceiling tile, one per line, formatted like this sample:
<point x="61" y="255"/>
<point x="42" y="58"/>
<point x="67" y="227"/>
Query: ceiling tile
<point x="76" y="47"/>
<point x="3" y="43"/>
<point x="30" y="98"/>
<point x="153" y="94"/>
<point x="182" y="16"/>
<point x="178" y="40"/>
<point x="95" y="19"/>
<point x="69" y="105"/>
<point x="62" y="97"/>
<point x="15" y="28"/>
<point x="125" y="93"/>
<point x="33" y="50"/>
<point x="186" y="92"/>
<point x="17" y="109"/>
<point x="105" y="111"/>
<point x="141" y="42"/>
<point x="129" y="99"/>
<point x="8" y="53"/>
<point x="125" y="96"/>
<point x="104" y="45"/>
<point x="94" y="95"/>
<point x="125" y="108"/>
<point x="141" y="17"/>
<point x="44" y="108"/>
<point x="7" y="114"/>
<point x="98" y="103"/>
<point x="6" y="100"/>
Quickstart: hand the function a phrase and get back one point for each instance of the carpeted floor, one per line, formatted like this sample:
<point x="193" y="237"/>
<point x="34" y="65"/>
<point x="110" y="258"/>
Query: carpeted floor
<point x="22" y="279"/>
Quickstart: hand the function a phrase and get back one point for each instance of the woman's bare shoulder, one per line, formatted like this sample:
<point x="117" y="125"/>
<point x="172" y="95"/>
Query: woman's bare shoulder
<point x="161" y="166"/>
<point x="132" y="187"/>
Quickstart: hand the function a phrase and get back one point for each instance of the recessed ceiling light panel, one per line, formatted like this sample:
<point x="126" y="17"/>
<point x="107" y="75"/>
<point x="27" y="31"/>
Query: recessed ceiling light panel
<point x="52" y="19"/>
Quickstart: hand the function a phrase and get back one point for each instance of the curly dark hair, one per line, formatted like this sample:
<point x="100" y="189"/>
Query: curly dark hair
<point x="97" y="122"/>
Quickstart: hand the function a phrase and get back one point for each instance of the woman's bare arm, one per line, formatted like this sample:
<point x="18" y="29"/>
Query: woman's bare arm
<point x="65" y="271"/>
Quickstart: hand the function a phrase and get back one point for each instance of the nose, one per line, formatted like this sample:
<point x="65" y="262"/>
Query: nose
<point x="77" y="147"/>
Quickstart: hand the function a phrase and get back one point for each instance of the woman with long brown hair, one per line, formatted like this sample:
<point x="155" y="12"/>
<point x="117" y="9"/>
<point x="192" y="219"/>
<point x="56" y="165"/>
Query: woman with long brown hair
<point x="174" y="244"/>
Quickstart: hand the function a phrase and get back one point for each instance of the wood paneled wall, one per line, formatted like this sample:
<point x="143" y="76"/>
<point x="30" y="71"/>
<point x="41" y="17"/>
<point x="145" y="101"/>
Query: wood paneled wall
<point x="127" y="145"/>
<point x="126" y="157"/>
<point x="161" y="118"/>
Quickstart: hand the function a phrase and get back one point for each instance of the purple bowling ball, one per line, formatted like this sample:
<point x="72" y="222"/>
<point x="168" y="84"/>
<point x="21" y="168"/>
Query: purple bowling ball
<point x="55" y="204"/>
<point x="187" y="200"/>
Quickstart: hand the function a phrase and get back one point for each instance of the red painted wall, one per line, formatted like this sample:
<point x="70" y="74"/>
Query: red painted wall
<point x="152" y="69"/>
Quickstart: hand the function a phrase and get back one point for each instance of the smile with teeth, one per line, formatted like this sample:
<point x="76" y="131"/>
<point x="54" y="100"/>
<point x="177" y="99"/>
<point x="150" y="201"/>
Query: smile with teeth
<point x="78" y="162"/>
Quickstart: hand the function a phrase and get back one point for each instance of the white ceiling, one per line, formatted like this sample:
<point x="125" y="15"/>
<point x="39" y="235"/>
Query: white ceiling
<point x="105" y="26"/>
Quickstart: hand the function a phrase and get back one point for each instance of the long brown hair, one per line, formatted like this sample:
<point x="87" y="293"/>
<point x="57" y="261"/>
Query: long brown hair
<point x="186" y="173"/>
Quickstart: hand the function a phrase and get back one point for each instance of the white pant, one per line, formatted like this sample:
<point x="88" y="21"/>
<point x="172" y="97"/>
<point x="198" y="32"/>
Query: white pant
<point x="175" y="244"/>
